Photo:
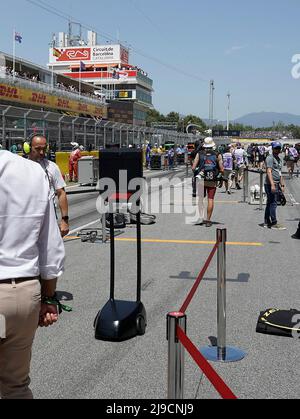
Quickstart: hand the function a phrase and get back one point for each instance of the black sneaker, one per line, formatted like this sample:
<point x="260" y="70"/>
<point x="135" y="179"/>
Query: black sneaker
<point x="296" y="236"/>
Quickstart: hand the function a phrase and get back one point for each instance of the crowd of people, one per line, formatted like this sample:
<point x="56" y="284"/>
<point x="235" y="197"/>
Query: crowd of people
<point x="24" y="75"/>
<point x="276" y="135"/>
<point x="8" y="71"/>
<point x="215" y="167"/>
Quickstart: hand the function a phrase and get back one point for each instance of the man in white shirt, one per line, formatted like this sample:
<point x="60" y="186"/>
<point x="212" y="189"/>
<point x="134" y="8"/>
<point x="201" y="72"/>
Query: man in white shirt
<point x="240" y="156"/>
<point x="31" y="259"/>
<point x="37" y="152"/>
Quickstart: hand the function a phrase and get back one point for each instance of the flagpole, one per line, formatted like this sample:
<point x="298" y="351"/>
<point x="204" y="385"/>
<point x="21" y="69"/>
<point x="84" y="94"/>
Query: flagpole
<point x="80" y="80"/>
<point x="52" y="78"/>
<point x="14" y="54"/>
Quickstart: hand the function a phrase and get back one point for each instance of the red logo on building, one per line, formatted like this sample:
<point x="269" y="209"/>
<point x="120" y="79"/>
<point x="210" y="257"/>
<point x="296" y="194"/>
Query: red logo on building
<point x="9" y="92"/>
<point x="75" y="54"/>
<point x="39" y="98"/>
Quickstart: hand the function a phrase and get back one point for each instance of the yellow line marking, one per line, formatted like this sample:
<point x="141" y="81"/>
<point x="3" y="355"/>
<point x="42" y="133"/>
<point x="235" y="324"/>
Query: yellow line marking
<point x="227" y="202"/>
<point x="189" y="242"/>
<point x="71" y="238"/>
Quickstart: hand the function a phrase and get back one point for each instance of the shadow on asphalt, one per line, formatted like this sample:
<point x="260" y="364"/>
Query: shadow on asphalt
<point x="242" y="278"/>
<point x="64" y="296"/>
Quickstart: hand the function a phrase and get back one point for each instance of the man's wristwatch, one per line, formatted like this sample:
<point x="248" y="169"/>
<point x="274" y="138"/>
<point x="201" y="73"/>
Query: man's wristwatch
<point x="66" y="219"/>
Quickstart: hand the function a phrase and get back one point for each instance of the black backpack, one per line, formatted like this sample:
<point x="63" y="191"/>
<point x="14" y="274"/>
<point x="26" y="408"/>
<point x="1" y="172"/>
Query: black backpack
<point x="279" y="323"/>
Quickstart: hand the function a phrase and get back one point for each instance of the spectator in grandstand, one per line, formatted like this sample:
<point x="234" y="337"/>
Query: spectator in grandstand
<point x="73" y="162"/>
<point x="38" y="150"/>
<point x="210" y="166"/>
<point x="32" y="258"/>
<point x="274" y="182"/>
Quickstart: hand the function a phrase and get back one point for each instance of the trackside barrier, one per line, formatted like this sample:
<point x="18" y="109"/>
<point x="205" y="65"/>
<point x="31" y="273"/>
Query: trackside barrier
<point x="178" y="340"/>
<point x="261" y="174"/>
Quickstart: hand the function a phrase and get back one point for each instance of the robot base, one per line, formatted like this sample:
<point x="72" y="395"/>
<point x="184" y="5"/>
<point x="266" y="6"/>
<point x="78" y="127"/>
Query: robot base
<point x="119" y="321"/>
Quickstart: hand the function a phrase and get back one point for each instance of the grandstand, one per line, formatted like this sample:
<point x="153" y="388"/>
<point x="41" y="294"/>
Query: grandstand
<point x="35" y="87"/>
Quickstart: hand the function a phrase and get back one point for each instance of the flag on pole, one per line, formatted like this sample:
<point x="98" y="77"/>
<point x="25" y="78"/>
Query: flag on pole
<point x="82" y="66"/>
<point x="56" y="53"/>
<point x="18" y="37"/>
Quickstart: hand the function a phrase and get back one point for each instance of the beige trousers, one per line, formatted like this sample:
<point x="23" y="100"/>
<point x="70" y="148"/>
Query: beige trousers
<point x="20" y="303"/>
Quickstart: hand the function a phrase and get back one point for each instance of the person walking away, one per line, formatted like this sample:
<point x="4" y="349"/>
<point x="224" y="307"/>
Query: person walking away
<point x="38" y="150"/>
<point x="228" y="170"/>
<point x="291" y="158"/>
<point x="261" y="156"/>
<point x="274" y="181"/>
<point x="210" y="167"/>
<point x="240" y="157"/>
<point x="31" y="259"/>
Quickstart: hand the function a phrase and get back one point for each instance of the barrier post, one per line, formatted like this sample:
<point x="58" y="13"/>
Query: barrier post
<point x="221" y="352"/>
<point x="221" y="239"/>
<point x="261" y="196"/>
<point x="175" y="356"/>
<point x="104" y="236"/>
<point x="246" y="185"/>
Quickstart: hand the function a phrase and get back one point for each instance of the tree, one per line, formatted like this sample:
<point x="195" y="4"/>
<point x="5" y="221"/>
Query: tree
<point x="173" y="117"/>
<point x="154" y="116"/>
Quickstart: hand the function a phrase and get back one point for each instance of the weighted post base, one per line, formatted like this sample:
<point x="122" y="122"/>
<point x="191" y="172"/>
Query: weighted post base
<point x="214" y="354"/>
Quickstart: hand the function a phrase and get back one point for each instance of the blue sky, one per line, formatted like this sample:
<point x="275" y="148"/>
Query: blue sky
<point x="246" y="47"/>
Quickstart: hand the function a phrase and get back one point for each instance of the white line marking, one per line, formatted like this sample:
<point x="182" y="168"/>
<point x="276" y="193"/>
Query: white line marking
<point x="293" y="200"/>
<point x="72" y="187"/>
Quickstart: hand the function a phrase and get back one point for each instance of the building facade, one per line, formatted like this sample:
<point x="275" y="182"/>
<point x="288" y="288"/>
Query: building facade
<point x="127" y="88"/>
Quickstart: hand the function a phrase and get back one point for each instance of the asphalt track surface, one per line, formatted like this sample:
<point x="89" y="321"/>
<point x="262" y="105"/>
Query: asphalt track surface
<point x="262" y="272"/>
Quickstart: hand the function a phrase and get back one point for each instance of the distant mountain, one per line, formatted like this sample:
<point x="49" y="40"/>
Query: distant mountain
<point x="267" y="119"/>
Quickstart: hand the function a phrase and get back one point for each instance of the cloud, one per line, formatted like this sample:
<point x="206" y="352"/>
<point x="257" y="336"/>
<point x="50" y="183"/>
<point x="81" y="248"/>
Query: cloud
<point x="234" y="49"/>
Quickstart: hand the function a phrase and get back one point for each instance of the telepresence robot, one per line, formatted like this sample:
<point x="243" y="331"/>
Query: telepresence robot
<point x="119" y="320"/>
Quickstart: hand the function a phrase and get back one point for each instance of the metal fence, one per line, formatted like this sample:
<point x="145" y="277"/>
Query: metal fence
<point x="16" y="124"/>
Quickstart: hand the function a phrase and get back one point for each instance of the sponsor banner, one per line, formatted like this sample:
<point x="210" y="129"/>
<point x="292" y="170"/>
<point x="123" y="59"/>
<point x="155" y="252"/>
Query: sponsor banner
<point x="67" y="55"/>
<point x="29" y="97"/>
<point x="106" y="54"/>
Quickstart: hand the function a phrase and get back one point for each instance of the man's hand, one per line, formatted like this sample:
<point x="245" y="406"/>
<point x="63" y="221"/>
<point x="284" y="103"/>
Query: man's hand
<point x="64" y="229"/>
<point x="273" y="188"/>
<point x="48" y="315"/>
